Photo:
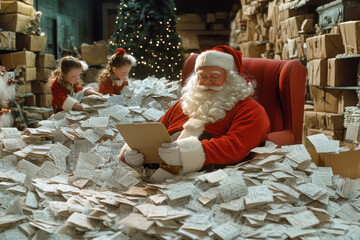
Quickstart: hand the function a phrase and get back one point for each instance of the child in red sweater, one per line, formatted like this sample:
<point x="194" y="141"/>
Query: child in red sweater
<point x="65" y="89"/>
<point x="113" y="78"/>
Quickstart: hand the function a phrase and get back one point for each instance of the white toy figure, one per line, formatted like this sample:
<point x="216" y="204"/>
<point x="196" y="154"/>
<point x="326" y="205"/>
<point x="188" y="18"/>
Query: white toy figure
<point x="7" y="94"/>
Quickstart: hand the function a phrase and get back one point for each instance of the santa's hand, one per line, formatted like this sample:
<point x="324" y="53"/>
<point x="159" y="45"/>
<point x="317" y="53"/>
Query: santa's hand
<point x="170" y="153"/>
<point x="134" y="158"/>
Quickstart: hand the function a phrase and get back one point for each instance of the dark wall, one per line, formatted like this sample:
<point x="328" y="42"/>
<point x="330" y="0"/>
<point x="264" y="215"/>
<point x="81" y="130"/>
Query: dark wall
<point x="67" y="23"/>
<point x="204" y="6"/>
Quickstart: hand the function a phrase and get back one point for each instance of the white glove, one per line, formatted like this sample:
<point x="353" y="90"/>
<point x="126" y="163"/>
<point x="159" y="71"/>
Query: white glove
<point x="132" y="157"/>
<point x="170" y="153"/>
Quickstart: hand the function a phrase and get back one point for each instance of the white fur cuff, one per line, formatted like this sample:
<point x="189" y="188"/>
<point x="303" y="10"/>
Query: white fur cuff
<point x="69" y="103"/>
<point x="192" y="154"/>
<point x="192" y="128"/>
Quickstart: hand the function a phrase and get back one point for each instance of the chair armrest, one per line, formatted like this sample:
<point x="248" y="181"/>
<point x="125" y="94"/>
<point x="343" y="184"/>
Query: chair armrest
<point x="281" y="138"/>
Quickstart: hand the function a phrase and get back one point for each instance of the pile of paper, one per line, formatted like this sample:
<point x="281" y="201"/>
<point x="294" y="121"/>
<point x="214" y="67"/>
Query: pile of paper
<point x="63" y="180"/>
<point x="351" y="115"/>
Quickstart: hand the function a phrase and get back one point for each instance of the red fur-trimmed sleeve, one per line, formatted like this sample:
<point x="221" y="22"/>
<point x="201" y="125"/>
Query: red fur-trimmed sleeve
<point x="105" y="87"/>
<point x="59" y="95"/>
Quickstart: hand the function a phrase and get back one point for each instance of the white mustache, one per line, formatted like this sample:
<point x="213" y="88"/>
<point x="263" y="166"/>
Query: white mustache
<point x="215" y="88"/>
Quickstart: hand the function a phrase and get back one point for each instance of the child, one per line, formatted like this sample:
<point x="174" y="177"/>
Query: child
<point x="113" y="79"/>
<point x="65" y="89"/>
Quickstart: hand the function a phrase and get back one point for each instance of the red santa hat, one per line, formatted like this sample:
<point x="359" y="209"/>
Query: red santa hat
<point x="221" y="56"/>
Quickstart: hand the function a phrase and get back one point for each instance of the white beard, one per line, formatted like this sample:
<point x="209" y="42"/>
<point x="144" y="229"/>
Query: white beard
<point x="7" y="92"/>
<point x="211" y="106"/>
<point x="6" y="120"/>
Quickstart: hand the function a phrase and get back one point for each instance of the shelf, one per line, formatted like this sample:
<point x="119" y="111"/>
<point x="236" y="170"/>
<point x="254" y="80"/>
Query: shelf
<point x="340" y="88"/>
<point x="26" y="95"/>
<point x="347" y="56"/>
<point x="206" y="32"/>
<point x="6" y="50"/>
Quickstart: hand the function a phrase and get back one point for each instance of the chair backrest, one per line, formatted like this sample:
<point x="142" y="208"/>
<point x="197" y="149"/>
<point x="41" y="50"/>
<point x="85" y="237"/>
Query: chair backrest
<point x="280" y="88"/>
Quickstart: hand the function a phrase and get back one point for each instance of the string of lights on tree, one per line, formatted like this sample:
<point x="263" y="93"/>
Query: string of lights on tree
<point x="146" y="29"/>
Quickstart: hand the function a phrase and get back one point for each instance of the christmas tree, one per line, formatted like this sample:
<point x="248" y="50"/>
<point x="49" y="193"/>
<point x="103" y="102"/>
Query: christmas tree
<point x="146" y="30"/>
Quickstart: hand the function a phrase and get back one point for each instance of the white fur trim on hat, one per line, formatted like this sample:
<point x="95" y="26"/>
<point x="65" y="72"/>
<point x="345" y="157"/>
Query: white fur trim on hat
<point x="193" y="127"/>
<point x="217" y="59"/>
<point x="132" y="59"/>
<point x="192" y="154"/>
<point x="69" y="103"/>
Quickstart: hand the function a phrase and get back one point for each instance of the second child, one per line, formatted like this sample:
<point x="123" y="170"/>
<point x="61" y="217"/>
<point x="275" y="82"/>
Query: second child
<point x="113" y="78"/>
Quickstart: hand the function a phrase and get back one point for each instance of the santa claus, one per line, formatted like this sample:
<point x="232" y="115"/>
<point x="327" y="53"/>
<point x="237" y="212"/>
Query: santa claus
<point x="215" y="121"/>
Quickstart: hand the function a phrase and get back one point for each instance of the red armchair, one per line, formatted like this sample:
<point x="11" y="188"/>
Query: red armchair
<point x="280" y="89"/>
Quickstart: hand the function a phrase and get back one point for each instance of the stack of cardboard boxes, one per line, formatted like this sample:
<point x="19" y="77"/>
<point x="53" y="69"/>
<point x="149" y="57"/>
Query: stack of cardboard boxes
<point x="329" y="78"/>
<point x="291" y="34"/>
<point x="21" y="53"/>
<point x="204" y="31"/>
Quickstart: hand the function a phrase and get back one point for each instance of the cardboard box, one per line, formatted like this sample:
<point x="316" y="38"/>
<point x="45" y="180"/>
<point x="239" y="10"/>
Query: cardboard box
<point x="45" y="60"/>
<point x="17" y="7"/>
<point x="278" y="47"/>
<point x="189" y="40"/>
<point x="40" y="87"/>
<point x="30" y="42"/>
<point x="300" y="48"/>
<point x="342" y="72"/>
<point x="44" y="100"/>
<point x="308" y="107"/>
<point x="11" y="60"/>
<point x="310" y="120"/>
<point x="345" y="164"/>
<point x="334" y="121"/>
<point x="353" y="132"/>
<point x="285" y="52"/>
<point x="24" y="88"/>
<point x="252" y="49"/>
<point x="332" y="100"/>
<point x="94" y="54"/>
<point x="321" y="120"/>
<point x="350" y="32"/>
<point x="324" y="46"/>
<point x="190" y="26"/>
<point x="7" y="40"/>
<point x="29" y="100"/>
<point x="285" y="12"/>
<point x="272" y="34"/>
<point x="30" y="74"/>
<point x="210" y="18"/>
<point x="14" y="22"/>
<point x="290" y="27"/>
<point x="285" y="31"/>
<point x="43" y="74"/>
<point x="317" y="72"/>
<point x="334" y="134"/>
<point x="192" y="17"/>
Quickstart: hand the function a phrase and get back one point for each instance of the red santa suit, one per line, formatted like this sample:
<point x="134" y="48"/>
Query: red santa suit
<point x="62" y="99"/>
<point x="231" y="138"/>
<point x="106" y="87"/>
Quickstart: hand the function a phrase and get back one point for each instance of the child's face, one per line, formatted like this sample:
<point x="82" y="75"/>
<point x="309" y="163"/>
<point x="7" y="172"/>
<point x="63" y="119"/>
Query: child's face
<point x="122" y="72"/>
<point x="73" y="75"/>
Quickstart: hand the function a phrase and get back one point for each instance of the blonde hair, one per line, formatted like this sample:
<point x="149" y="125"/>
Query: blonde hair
<point x="116" y="60"/>
<point x="66" y="64"/>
